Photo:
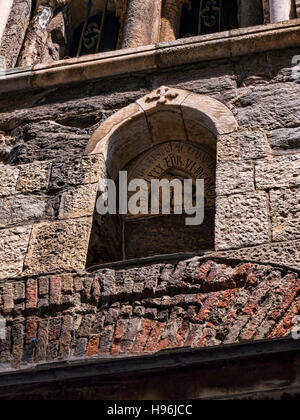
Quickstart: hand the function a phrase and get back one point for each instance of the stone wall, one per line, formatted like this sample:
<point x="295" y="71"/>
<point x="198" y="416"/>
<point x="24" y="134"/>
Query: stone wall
<point x="48" y="191"/>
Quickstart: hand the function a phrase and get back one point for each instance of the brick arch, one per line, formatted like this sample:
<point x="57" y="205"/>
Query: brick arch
<point x="145" y="123"/>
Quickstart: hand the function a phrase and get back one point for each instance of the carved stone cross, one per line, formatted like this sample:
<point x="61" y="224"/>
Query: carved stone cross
<point x="162" y="96"/>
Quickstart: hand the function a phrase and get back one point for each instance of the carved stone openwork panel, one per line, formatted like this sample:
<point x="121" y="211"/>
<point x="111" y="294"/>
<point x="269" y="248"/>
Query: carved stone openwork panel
<point x="96" y="27"/>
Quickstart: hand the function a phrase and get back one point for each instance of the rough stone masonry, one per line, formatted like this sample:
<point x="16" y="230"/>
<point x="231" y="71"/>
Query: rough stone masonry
<point x="245" y="288"/>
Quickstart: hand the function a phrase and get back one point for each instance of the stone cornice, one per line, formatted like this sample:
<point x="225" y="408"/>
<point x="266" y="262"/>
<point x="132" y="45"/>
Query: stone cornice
<point x="76" y="369"/>
<point x="153" y="57"/>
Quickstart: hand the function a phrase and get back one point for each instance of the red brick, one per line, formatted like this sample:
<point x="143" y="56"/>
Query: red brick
<point x="55" y="290"/>
<point x="119" y="333"/>
<point x="31" y="294"/>
<point x="210" y="301"/>
<point x="54" y="329"/>
<point x="66" y="336"/>
<point x="31" y="330"/>
<point x="181" y="335"/>
<point x="288" y="291"/>
<point x="206" y="335"/>
<point x="154" y="337"/>
<point x="202" y="272"/>
<point x="93" y="346"/>
<point x="106" y="338"/>
<point x="286" y="325"/>
<point x="8" y="298"/>
<point x="143" y="336"/>
<point x="242" y="273"/>
<point x="192" y="336"/>
<point x="227" y="298"/>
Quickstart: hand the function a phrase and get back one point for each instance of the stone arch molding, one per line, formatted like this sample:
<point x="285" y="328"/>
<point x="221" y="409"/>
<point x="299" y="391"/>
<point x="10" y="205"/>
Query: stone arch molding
<point x="166" y="114"/>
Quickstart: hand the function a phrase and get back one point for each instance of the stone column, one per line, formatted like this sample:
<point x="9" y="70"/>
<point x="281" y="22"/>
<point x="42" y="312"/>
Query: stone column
<point x="142" y="23"/>
<point x="281" y="10"/>
<point x="40" y="45"/>
<point x="15" y="20"/>
<point x="5" y="7"/>
<point x="170" y="21"/>
<point x="250" y="13"/>
<point x="266" y="10"/>
<point x="297" y="8"/>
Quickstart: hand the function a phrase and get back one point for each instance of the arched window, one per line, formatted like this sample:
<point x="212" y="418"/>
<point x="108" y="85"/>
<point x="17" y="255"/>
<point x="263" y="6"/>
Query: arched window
<point x="169" y="135"/>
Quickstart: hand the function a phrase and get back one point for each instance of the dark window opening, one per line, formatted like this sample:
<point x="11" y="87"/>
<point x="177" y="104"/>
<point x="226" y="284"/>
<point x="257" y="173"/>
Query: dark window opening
<point x="128" y="236"/>
<point x="294" y="11"/>
<point x="97" y="33"/>
<point x="201" y="17"/>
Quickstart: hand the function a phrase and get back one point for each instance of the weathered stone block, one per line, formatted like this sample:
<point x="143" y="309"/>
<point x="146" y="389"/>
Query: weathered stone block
<point x="241" y="220"/>
<point x="78" y="202"/>
<point x="212" y="114"/>
<point x="110" y="125"/>
<point x="22" y="208"/>
<point x="285" y="253"/>
<point x="284" y="140"/>
<point x="217" y="80"/>
<point x="9" y="177"/>
<point x="13" y="247"/>
<point x="160" y="127"/>
<point x="58" y="246"/>
<point x="19" y="292"/>
<point x="285" y="214"/>
<point x="241" y="145"/>
<point x="270" y="108"/>
<point x="79" y="108"/>
<point x="47" y="140"/>
<point x="43" y="287"/>
<point x="8" y="298"/>
<point x="87" y="170"/>
<point x="283" y="171"/>
<point x="235" y="177"/>
<point x="67" y="283"/>
<point x="5" y="143"/>
<point x="33" y="177"/>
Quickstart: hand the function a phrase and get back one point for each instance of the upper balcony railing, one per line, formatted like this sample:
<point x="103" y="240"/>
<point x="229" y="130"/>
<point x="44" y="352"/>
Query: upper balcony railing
<point x="61" y="29"/>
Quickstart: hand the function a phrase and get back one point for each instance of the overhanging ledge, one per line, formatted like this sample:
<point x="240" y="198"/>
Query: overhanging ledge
<point x="223" y="45"/>
<point x="163" y="361"/>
